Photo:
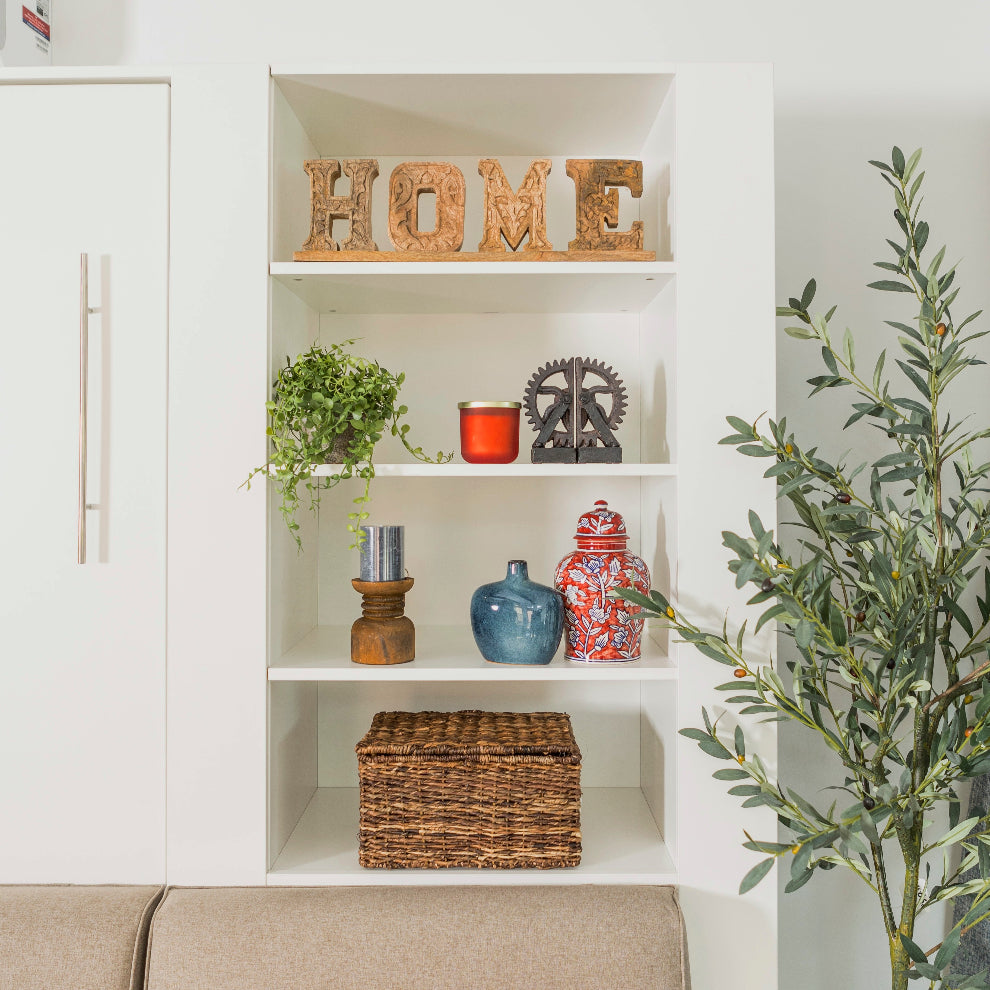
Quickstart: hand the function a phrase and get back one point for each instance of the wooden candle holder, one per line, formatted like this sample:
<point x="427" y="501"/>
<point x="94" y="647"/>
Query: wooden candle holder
<point x="383" y="634"/>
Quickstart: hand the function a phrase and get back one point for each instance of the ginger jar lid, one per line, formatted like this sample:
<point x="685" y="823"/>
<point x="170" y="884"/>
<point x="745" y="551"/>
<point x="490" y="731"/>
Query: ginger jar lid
<point x="601" y="523"/>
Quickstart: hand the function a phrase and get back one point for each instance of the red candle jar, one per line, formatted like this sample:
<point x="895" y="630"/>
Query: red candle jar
<point x="489" y="432"/>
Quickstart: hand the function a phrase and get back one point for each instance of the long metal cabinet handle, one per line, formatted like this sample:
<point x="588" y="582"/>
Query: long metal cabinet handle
<point x="83" y="397"/>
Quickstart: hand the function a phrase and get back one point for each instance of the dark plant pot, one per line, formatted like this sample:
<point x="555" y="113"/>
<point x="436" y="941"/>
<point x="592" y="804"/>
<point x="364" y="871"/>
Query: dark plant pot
<point x="337" y="451"/>
<point x="517" y="620"/>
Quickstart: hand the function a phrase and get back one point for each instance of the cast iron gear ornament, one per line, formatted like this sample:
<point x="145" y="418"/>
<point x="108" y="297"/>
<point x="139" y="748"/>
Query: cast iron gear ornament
<point x="593" y="391"/>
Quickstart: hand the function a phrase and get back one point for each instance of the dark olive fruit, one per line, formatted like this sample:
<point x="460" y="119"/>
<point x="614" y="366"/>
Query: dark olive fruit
<point x="890" y="665"/>
<point x="767" y="585"/>
<point x="843" y="498"/>
<point x="869" y="803"/>
<point x="891" y="435"/>
<point x="861" y="617"/>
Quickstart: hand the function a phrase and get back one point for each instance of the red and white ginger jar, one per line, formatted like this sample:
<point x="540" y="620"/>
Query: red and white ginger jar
<point x="599" y="629"/>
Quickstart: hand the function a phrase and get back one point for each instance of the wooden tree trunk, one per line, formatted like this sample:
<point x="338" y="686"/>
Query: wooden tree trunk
<point x="900" y="961"/>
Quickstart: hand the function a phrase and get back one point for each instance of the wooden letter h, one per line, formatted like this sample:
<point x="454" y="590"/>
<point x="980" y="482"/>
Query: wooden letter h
<point x="325" y="207"/>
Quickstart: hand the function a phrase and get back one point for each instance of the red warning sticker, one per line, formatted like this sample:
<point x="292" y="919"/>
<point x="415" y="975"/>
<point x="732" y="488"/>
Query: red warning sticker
<point x="32" y="20"/>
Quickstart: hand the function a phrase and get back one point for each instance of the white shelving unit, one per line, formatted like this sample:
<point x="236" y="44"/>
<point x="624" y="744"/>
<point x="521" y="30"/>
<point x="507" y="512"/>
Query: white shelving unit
<point x="263" y="707"/>
<point x="691" y="336"/>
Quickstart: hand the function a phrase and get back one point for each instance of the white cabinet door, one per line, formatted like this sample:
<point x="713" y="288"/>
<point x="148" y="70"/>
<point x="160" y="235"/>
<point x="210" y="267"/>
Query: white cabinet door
<point x="84" y="168"/>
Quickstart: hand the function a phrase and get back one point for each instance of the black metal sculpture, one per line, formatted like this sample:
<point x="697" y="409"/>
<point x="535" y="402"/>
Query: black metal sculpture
<point x="575" y="405"/>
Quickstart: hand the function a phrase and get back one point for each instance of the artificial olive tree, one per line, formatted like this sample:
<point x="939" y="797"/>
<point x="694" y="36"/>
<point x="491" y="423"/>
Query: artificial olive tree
<point x="885" y="592"/>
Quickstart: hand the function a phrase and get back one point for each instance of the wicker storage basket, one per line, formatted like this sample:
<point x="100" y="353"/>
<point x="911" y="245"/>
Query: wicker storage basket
<point x="470" y="789"/>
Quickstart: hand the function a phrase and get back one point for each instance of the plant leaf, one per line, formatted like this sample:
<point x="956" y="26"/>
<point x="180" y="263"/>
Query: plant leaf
<point x="887" y="285"/>
<point x="755" y="875"/>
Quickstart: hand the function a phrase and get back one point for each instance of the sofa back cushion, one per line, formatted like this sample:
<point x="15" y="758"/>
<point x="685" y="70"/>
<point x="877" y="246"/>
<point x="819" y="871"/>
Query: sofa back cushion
<point x="74" y="938"/>
<point x="419" y="938"/>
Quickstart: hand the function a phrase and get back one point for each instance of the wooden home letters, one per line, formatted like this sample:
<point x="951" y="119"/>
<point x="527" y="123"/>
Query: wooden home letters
<point x="408" y="181"/>
<point x="325" y="207"/>
<point x="515" y="214"/>
<point x="509" y="215"/>
<point x="598" y="207"/>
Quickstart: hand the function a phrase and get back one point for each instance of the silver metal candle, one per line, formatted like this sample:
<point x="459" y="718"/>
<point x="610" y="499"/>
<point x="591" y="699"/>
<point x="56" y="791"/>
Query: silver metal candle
<point x="383" y="553"/>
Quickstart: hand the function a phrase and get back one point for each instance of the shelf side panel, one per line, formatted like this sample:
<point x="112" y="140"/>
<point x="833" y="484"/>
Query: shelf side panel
<point x="291" y="147"/>
<point x="293" y="572"/>
<point x="658" y="758"/>
<point x="658" y="379"/>
<point x="292" y="755"/>
<point x="725" y="365"/>
<point x="218" y="349"/>
<point x="659" y="180"/>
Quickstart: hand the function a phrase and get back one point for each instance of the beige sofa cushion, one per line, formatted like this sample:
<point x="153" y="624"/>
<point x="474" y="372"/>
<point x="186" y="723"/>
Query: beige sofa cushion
<point x="74" y="938"/>
<point x="418" y="938"/>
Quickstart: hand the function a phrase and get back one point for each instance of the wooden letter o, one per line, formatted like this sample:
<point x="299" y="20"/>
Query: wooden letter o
<point x="409" y="180"/>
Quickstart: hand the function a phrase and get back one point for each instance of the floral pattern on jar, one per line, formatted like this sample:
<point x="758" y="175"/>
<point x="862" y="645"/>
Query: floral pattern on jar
<point x="597" y="628"/>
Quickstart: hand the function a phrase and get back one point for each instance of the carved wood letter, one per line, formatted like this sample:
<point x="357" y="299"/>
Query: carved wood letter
<point x="597" y="208"/>
<point x="324" y="207"/>
<point x="408" y="181"/>
<point x="512" y="214"/>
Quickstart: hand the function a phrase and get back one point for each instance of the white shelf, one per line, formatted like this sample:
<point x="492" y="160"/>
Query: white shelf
<point x="418" y="469"/>
<point x="475" y="287"/>
<point x="449" y="653"/>
<point x="620" y="841"/>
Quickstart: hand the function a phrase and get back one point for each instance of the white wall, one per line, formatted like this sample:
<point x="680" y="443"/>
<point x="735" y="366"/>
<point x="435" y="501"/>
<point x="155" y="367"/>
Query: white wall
<point x="851" y="79"/>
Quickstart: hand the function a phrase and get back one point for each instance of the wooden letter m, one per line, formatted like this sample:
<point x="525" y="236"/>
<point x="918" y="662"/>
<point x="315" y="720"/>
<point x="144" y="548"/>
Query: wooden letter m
<point x="513" y="214"/>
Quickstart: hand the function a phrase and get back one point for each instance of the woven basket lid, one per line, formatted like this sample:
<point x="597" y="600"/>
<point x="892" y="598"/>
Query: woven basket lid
<point x="470" y="733"/>
<point x="601" y="521"/>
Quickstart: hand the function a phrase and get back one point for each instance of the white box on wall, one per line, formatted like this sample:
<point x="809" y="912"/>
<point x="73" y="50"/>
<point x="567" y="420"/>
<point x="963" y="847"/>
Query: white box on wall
<point x="25" y="32"/>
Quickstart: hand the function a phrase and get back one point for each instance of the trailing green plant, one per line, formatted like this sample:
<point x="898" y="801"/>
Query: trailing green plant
<point x="891" y="656"/>
<point x="331" y="404"/>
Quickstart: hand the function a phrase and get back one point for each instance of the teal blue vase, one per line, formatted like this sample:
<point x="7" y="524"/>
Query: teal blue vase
<point x="517" y="620"/>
